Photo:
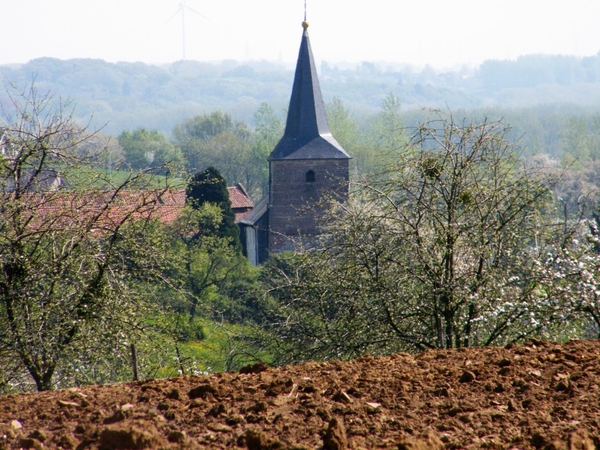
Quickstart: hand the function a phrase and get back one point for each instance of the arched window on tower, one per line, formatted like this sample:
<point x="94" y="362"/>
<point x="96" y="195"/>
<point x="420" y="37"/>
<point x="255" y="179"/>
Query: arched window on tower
<point x="310" y="176"/>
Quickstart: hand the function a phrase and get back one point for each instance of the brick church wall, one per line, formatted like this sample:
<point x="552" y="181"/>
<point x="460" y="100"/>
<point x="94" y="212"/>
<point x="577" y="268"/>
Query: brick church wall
<point x="296" y="202"/>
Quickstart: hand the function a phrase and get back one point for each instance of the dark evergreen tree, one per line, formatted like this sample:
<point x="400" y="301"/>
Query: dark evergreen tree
<point x="210" y="186"/>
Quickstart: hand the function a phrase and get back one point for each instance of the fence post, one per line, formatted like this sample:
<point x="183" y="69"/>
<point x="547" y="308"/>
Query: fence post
<point x="134" y="363"/>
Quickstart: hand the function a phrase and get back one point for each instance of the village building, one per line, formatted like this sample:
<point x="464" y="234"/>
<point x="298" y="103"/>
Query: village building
<point x="306" y="168"/>
<point x="165" y="206"/>
<point x="171" y="203"/>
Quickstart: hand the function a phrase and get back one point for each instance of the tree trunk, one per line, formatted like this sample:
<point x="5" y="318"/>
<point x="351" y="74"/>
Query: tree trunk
<point x="43" y="381"/>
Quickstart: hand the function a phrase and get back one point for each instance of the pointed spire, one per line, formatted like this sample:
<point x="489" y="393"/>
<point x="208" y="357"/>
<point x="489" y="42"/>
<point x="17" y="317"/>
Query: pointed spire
<point x="307" y="134"/>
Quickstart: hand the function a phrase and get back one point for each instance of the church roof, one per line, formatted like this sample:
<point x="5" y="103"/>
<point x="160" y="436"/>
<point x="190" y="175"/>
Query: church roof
<point x="257" y="212"/>
<point x="307" y="134"/>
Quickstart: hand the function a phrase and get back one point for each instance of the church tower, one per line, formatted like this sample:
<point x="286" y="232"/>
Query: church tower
<point x="308" y="165"/>
<point x="306" y="168"/>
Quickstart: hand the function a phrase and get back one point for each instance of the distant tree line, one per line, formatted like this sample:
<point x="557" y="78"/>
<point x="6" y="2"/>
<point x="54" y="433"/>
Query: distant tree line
<point x="534" y="70"/>
<point x="123" y="96"/>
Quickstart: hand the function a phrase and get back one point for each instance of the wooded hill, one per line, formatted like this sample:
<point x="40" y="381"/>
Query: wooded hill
<point x="129" y="95"/>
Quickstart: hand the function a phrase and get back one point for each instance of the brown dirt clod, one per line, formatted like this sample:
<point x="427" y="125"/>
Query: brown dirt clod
<point x="335" y="436"/>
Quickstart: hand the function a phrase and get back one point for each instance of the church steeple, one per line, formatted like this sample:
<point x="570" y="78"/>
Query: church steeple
<point x="307" y="134"/>
<point x="308" y="171"/>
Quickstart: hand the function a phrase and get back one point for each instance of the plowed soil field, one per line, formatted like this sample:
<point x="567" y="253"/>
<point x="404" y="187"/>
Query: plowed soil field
<point x="539" y="395"/>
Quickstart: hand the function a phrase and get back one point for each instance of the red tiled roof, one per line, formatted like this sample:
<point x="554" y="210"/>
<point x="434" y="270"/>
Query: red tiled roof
<point x="95" y="211"/>
<point x="241" y="203"/>
<point x="170" y="205"/>
<point x="239" y="197"/>
<point x="164" y="206"/>
<point x="171" y="202"/>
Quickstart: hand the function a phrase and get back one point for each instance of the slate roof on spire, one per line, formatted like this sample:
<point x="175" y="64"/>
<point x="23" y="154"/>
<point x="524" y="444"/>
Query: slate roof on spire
<point x="307" y="134"/>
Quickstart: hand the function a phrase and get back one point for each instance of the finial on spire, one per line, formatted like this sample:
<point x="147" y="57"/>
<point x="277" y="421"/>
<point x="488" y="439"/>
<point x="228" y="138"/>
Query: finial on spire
<point x="305" y="23"/>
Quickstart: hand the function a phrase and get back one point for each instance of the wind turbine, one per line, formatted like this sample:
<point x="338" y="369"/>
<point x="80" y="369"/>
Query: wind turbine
<point x="181" y="10"/>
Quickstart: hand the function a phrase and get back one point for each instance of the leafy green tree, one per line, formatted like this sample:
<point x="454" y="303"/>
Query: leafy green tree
<point x="206" y="257"/>
<point x="209" y="186"/>
<point x="268" y="130"/>
<point x="373" y="143"/>
<point x="384" y="137"/>
<point x="145" y="148"/>
<point x="208" y="126"/>
<point x="594" y="137"/>
<point x="214" y="140"/>
<point x="66" y="256"/>
<point x="575" y="141"/>
<point x="210" y="239"/>
<point x="344" y="127"/>
<point x="342" y="124"/>
<point x="450" y="247"/>
<point x="388" y="128"/>
<point x="231" y="155"/>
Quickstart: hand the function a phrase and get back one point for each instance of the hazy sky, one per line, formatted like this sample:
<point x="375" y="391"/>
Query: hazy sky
<point x="441" y="33"/>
